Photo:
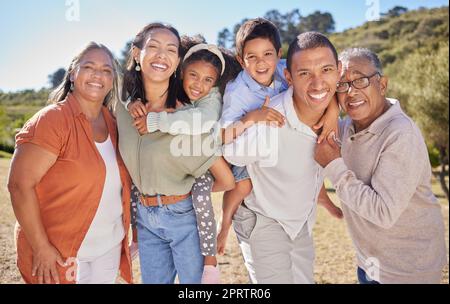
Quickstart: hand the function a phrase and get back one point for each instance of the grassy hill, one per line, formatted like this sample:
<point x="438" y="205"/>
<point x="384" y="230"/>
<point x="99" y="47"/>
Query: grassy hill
<point x="393" y="38"/>
<point x="396" y="37"/>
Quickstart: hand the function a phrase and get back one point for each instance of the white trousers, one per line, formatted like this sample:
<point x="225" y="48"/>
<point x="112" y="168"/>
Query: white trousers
<point x="100" y="270"/>
<point x="271" y="257"/>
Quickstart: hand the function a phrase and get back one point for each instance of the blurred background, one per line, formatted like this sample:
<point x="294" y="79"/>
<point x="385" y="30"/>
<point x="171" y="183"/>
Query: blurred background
<point x="411" y="37"/>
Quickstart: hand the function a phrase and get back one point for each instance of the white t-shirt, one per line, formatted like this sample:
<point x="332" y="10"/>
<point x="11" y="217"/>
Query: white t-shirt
<point x="106" y="230"/>
<point x="280" y="162"/>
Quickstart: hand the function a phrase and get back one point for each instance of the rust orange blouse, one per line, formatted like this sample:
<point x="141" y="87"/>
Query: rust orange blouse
<point x="69" y="194"/>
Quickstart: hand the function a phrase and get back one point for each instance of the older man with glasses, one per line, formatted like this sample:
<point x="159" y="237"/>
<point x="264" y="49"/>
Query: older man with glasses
<point x="382" y="175"/>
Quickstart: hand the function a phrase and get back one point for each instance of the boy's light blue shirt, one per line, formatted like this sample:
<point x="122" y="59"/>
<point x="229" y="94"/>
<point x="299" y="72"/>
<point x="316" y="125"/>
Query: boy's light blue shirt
<point x="244" y="94"/>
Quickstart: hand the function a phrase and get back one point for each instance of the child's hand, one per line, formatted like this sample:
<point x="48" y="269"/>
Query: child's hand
<point x="137" y="109"/>
<point x="329" y="122"/>
<point x="330" y="128"/>
<point x="266" y="114"/>
<point x="140" y="124"/>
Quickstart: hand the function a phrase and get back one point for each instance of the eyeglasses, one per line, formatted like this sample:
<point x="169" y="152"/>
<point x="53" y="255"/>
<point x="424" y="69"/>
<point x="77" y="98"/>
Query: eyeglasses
<point x="360" y="83"/>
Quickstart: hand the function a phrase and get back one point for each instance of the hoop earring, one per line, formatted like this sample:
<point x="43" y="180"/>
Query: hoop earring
<point x="138" y="67"/>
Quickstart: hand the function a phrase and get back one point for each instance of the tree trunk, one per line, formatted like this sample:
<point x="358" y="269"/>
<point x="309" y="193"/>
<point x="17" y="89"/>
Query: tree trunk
<point x="443" y="161"/>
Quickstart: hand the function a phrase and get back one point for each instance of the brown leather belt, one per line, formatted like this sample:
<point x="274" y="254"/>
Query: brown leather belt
<point x="152" y="201"/>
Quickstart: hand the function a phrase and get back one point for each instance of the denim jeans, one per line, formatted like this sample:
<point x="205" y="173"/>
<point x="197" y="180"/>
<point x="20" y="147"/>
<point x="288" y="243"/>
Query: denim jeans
<point x="239" y="173"/>
<point x="169" y="244"/>
<point x="363" y="278"/>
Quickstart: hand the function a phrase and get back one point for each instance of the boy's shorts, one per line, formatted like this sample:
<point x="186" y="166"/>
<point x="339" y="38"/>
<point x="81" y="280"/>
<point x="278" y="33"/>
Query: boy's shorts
<point x="239" y="173"/>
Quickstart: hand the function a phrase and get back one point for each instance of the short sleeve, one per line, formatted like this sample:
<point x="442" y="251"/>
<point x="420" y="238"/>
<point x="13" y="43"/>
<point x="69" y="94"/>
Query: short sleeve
<point x="44" y="129"/>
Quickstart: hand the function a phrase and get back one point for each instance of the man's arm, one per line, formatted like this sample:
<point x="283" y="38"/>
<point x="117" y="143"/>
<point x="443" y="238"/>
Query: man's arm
<point x="264" y="114"/>
<point x="258" y="143"/>
<point x="392" y="185"/>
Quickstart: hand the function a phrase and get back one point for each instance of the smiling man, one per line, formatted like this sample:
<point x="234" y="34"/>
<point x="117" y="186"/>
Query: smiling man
<point x="274" y="226"/>
<point x="382" y="176"/>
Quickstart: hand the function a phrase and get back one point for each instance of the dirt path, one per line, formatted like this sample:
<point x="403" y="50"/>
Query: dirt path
<point x="334" y="251"/>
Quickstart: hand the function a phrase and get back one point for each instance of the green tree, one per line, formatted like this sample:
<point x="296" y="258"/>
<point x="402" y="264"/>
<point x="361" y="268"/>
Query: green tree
<point x="395" y="11"/>
<point x="124" y="54"/>
<point x="424" y="81"/>
<point x="5" y="127"/>
<point x="291" y="30"/>
<point x="225" y="38"/>
<point x="287" y="24"/>
<point x="57" y="77"/>
<point x="317" y="21"/>
<point x="276" y="18"/>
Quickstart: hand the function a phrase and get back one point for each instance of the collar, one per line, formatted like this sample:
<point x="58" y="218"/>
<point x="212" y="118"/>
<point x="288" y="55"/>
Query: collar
<point x="279" y="82"/>
<point x="250" y="82"/>
<point x="73" y="104"/>
<point x="291" y="115"/>
<point x="379" y="124"/>
<point x="109" y="119"/>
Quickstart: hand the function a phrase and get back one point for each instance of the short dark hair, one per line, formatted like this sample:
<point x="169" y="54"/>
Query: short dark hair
<point x="308" y="41"/>
<point x="257" y="28"/>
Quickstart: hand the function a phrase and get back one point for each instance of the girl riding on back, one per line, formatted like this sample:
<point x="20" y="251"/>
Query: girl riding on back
<point x="205" y="70"/>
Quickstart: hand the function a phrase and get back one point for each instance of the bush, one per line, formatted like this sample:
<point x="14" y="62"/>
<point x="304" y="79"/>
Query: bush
<point x="7" y="148"/>
<point x="384" y="34"/>
<point x="4" y="154"/>
<point x="387" y="58"/>
<point x="433" y="153"/>
<point x="427" y="27"/>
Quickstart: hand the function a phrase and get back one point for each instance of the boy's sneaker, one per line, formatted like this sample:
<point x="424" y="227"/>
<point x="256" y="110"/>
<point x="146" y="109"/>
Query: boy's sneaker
<point x="211" y="275"/>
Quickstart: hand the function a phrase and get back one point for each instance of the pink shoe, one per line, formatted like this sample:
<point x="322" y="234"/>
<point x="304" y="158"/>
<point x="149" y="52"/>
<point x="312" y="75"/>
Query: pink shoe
<point x="134" y="250"/>
<point x="211" y="275"/>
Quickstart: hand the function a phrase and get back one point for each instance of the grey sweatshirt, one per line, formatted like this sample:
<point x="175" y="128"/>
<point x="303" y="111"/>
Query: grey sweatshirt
<point x="384" y="183"/>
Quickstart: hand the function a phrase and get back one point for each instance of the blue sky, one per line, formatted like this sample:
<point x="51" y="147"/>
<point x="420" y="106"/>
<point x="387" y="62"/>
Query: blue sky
<point x="37" y="39"/>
